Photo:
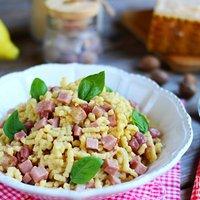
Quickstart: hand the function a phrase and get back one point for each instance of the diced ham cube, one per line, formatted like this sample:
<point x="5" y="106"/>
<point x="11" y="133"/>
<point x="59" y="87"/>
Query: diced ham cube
<point x="111" y="166"/>
<point x="64" y="97"/>
<point x="14" y="161"/>
<point x="109" y="142"/>
<point x="25" y="167"/>
<point x="98" y="111"/>
<point x="112" y="120"/>
<point x="18" y="136"/>
<point x="140" y="138"/>
<point x="54" y="122"/>
<point x="23" y="154"/>
<point x="92" y="143"/>
<point x="114" y="180"/>
<point x="133" y="143"/>
<point x="154" y="132"/>
<point x="138" y="166"/>
<point x="78" y="114"/>
<point x="29" y="125"/>
<point x="77" y="130"/>
<point x="44" y="108"/>
<point x="106" y="106"/>
<point x="40" y="124"/>
<point x="86" y="108"/>
<point x="38" y="173"/>
<point x="27" y="178"/>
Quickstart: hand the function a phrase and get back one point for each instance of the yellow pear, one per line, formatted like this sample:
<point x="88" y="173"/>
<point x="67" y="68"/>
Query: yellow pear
<point x="8" y="51"/>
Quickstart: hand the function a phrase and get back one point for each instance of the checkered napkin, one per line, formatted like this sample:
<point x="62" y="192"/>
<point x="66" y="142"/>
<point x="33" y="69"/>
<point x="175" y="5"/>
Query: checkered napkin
<point x="196" y="188"/>
<point x="165" y="187"/>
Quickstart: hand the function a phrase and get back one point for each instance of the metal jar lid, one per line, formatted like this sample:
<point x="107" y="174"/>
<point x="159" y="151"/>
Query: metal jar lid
<point x="73" y="9"/>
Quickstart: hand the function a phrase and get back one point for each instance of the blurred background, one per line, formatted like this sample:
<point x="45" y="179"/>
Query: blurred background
<point x="124" y="34"/>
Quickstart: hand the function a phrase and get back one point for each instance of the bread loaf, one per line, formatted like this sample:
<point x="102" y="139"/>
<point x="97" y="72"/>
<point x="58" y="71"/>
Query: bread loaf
<point x="175" y="28"/>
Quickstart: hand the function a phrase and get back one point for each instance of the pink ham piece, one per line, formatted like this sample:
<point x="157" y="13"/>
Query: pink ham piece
<point x="23" y="154"/>
<point x="112" y="120"/>
<point x="38" y="173"/>
<point x="106" y="106"/>
<point x="133" y="143"/>
<point x="111" y="166"/>
<point x="77" y="130"/>
<point x="109" y="142"/>
<point x="114" y="180"/>
<point x="138" y="166"/>
<point x="54" y="122"/>
<point x="86" y="108"/>
<point x="14" y="161"/>
<point x="154" y="132"/>
<point x="29" y="125"/>
<point x="92" y="143"/>
<point x="18" y="136"/>
<point x="27" y="178"/>
<point x="78" y="114"/>
<point x="64" y="97"/>
<point x="98" y="111"/>
<point x="40" y="124"/>
<point x="44" y="108"/>
<point x="140" y="138"/>
<point x="25" y="167"/>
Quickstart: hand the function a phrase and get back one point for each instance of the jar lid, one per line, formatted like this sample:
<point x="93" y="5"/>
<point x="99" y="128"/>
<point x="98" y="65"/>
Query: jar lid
<point x="72" y="9"/>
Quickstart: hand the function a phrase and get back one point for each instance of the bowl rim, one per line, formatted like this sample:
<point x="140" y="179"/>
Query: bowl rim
<point x="60" y="192"/>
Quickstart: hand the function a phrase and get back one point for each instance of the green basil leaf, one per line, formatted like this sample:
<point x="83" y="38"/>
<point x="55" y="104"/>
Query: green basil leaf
<point x="108" y="89"/>
<point x="38" y="88"/>
<point x="85" y="169"/>
<point x="13" y="125"/>
<point x="91" y="86"/>
<point x="140" y="121"/>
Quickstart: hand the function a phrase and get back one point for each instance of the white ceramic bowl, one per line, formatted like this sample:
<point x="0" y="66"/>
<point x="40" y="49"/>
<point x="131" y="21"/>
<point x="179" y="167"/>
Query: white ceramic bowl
<point x="163" y="107"/>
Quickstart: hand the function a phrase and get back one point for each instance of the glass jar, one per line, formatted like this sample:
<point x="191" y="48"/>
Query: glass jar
<point x="71" y="40"/>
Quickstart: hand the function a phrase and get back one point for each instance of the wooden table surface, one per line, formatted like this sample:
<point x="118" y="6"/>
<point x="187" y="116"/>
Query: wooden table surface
<point x="122" y="51"/>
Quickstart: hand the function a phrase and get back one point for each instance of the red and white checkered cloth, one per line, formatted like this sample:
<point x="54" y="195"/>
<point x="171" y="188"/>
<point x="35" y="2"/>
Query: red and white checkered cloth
<point x="165" y="187"/>
<point x="196" y="188"/>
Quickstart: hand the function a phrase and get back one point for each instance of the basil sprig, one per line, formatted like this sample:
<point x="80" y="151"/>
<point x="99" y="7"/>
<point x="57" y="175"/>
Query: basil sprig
<point x="85" y="169"/>
<point x="91" y="86"/>
<point x="38" y="88"/>
<point x="13" y="125"/>
<point x="140" y="121"/>
<point x="108" y="89"/>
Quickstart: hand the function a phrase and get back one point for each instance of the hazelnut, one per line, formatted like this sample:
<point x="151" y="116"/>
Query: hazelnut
<point x="187" y="90"/>
<point x="149" y="63"/>
<point x="159" y="76"/>
<point x="190" y="79"/>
